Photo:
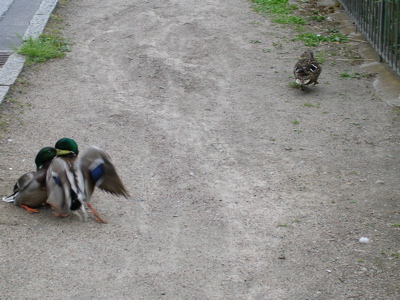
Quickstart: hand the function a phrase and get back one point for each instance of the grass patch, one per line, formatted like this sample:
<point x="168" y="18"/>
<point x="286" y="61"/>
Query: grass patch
<point x="282" y="12"/>
<point x="318" y="18"/>
<point x="43" y="48"/>
<point x="312" y="39"/>
<point x="274" y="6"/>
<point x="311" y="105"/>
<point x="285" y="19"/>
<point x="277" y="45"/>
<point x="322" y="56"/>
<point x="357" y="75"/>
<point x="347" y="75"/>
<point x="294" y="84"/>
<point x="281" y="9"/>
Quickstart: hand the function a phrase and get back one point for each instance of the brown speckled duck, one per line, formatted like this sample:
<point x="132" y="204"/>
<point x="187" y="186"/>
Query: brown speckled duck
<point x="307" y="70"/>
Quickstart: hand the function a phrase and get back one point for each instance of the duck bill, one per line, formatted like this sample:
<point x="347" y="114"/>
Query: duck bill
<point x="63" y="152"/>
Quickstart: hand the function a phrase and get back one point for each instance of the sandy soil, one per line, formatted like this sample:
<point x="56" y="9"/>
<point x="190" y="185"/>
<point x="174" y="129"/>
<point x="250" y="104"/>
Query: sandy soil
<point x="242" y="187"/>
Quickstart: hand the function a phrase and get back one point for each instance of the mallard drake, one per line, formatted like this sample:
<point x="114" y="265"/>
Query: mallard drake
<point x="65" y="183"/>
<point x="81" y="176"/>
<point x="307" y="70"/>
<point x="30" y="189"/>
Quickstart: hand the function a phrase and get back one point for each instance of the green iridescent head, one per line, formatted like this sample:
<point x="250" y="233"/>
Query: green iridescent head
<point x="67" y="144"/>
<point x="46" y="155"/>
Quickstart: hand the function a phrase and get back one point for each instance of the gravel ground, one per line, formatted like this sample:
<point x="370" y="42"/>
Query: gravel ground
<point x="242" y="187"/>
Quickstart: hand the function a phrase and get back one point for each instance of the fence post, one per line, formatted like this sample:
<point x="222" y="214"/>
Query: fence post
<point x="380" y="31"/>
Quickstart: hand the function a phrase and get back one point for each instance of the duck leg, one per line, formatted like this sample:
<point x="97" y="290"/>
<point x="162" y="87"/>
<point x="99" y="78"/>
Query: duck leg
<point x="28" y="209"/>
<point x="60" y="214"/>
<point x="98" y="218"/>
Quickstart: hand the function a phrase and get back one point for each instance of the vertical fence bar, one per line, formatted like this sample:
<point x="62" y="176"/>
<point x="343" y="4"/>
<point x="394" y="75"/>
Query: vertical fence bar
<point x="380" y="31"/>
<point x="391" y="33"/>
<point x="397" y="41"/>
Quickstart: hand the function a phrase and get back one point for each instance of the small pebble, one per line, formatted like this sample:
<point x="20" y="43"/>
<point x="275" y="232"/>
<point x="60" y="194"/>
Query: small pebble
<point x="363" y="240"/>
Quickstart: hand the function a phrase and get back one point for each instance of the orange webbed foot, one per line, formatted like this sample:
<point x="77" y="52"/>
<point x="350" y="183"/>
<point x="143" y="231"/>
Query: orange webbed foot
<point x="61" y="215"/>
<point x="28" y="209"/>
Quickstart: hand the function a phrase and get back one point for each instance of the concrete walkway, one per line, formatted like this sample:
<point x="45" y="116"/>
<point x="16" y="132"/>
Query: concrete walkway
<point x="19" y="18"/>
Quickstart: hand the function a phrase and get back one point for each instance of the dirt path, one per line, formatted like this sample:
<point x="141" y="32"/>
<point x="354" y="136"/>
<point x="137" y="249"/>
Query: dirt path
<point x="242" y="188"/>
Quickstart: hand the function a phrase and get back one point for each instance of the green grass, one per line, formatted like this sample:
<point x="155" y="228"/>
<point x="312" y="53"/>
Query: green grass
<point x="294" y="84"/>
<point x="312" y="39"/>
<point x="43" y="48"/>
<point x="311" y="105"/>
<point x="284" y="13"/>
<point x="321" y="56"/>
<point x="285" y="19"/>
<point x="281" y="9"/>
<point x="347" y="75"/>
<point x="274" y="6"/>
<point x="357" y="75"/>
<point x="318" y="18"/>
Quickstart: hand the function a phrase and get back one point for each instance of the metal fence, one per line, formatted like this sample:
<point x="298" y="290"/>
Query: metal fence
<point x="379" y="20"/>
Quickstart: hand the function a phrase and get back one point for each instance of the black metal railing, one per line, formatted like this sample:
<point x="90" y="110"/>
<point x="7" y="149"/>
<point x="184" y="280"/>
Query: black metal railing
<point x="379" y="20"/>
